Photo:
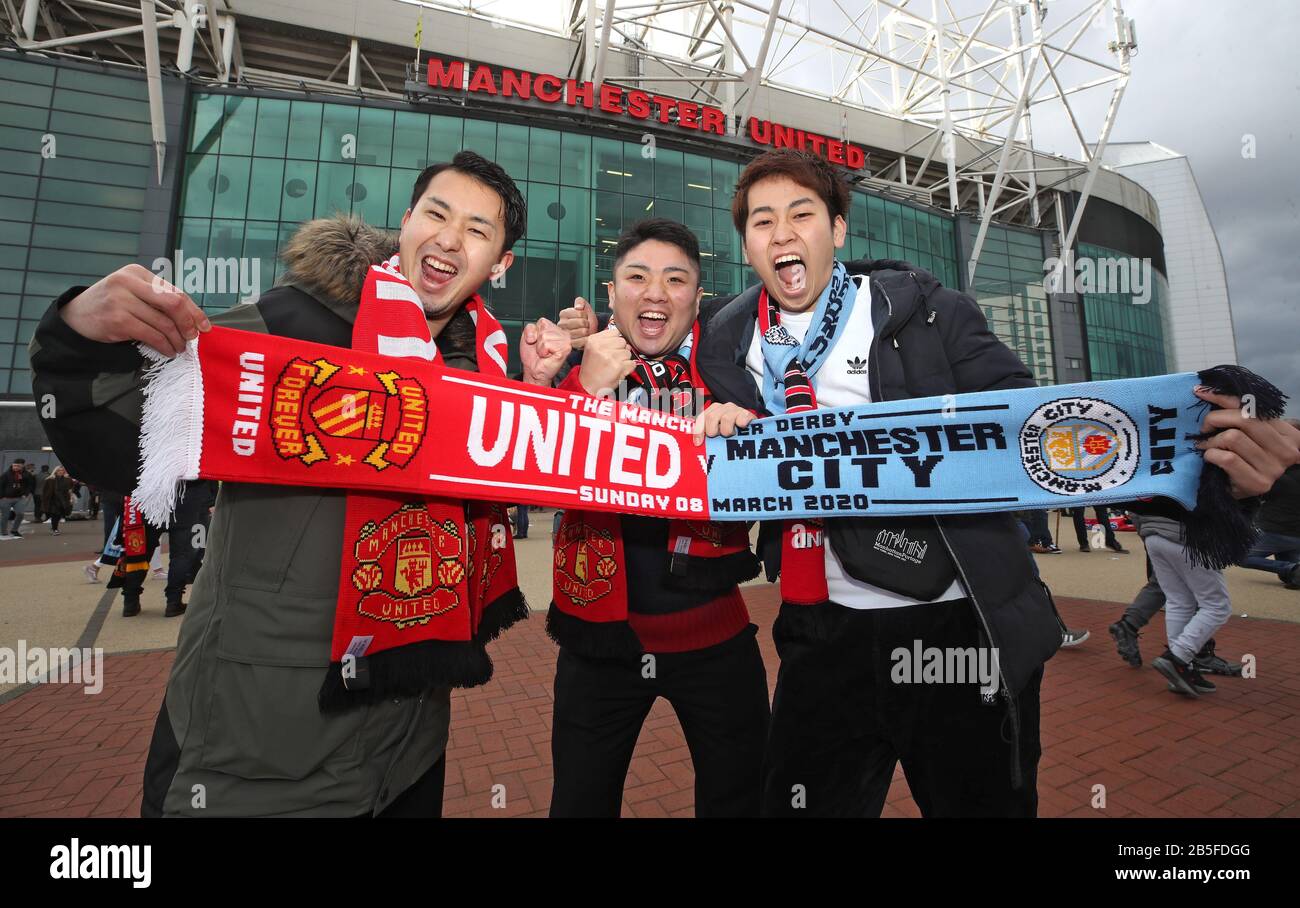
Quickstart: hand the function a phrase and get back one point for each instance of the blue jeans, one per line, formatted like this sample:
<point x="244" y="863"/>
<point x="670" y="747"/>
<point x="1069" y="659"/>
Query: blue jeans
<point x="1284" y="549"/>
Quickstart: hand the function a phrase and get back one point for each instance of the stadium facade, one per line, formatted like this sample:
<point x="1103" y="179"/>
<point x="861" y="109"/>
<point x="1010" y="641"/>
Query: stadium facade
<point x="284" y="111"/>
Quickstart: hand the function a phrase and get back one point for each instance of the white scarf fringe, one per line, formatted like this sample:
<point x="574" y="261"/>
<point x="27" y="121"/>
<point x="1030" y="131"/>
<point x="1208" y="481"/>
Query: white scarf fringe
<point x="171" y="431"/>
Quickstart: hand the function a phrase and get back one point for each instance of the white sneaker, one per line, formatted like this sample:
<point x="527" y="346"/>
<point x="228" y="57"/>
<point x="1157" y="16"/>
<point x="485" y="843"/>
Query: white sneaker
<point x="158" y="573"/>
<point x="92" y="573"/>
<point x="7" y="537"/>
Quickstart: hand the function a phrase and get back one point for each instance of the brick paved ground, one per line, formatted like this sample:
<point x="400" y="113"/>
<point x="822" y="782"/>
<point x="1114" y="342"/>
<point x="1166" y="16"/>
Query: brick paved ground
<point x="1234" y="753"/>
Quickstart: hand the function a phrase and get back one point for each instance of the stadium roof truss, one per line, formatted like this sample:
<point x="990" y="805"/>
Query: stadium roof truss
<point x="970" y="79"/>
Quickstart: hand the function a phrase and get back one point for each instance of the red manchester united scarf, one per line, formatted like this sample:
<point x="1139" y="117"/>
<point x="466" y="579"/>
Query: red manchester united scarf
<point x="589" y="575"/>
<point x="425" y="582"/>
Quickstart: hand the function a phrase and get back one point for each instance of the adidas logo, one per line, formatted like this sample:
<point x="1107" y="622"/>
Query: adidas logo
<point x="857" y="366"/>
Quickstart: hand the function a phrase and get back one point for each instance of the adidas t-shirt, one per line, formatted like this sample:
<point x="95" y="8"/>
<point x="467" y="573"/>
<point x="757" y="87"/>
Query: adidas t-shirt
<point x="842" y="382"/>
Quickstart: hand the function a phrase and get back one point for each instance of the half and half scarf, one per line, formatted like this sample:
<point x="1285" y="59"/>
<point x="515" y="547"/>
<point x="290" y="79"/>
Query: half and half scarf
<point x="589" y="606"/>
<point x="788" y="370"/>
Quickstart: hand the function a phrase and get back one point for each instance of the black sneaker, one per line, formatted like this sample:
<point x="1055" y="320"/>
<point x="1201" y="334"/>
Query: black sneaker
<point x="130" y="608"/>
<point x="1073" y="638"/>
<point x="1053" y="549"/>
<point x="1126" y="643"/>
<point x="1207" y="661"/>
<point x="1291" y="579"/>
<point x="1085" y="548"/>
<point x="1179" y="674"/>
<point x="173" y="609"/>
<point x="1202" y="684"/>
<point x="1118" y="549"/>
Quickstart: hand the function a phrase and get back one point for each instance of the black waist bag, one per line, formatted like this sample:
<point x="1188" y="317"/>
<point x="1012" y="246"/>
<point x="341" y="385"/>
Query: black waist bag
<point x="905" y="555"/>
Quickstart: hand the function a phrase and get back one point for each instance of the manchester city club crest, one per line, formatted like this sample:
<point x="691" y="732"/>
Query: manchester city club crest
<point x="1077" y="445"/>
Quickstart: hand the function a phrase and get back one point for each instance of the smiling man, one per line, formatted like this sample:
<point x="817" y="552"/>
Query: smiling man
<point x="819" y="333"/>
<point x="646" y="607"/>
<point x="240" y="731"/>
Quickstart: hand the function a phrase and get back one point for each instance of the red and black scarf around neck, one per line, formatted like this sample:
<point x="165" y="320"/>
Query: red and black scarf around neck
<point x="589" y="607"/>
<point x="425" y="583"/>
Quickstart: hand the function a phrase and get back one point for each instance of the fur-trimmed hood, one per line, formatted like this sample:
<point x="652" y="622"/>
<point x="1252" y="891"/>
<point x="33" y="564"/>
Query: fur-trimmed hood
<point x="330" y="256"/>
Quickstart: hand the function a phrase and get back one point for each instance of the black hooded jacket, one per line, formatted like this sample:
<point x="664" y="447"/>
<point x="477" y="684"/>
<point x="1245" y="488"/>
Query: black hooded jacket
<point x="929" y="340"/>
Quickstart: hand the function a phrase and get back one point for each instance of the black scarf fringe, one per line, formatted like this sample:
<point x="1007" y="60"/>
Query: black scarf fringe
<point x="1220" y="532"/>
<point x="593" y="639"/>
<point x="501" y="614"/>
<point x="707" y="575"/>
<point x="409" y="671"/>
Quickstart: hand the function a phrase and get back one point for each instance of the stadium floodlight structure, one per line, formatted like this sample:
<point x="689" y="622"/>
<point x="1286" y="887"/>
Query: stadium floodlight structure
<point x="975" y="74"/>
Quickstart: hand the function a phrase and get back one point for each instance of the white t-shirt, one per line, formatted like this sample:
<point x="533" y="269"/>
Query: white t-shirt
<point x="842" y="382"/>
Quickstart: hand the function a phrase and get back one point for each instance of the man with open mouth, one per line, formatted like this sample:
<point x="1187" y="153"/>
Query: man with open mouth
<point x="646" y="607"/>
<point x="244" y="728"/>
<point x="820" y="333"/>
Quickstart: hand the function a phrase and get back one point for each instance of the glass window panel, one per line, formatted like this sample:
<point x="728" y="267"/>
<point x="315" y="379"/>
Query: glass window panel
<point x="226" y="241"/>
<point x="200" y="179"/>
<point x="640" y="171"/>
<point x="400" y="184"/>
<point x="543" y="208"/>
<point x="575" y="224"/>
<point x="410" y="140"/>
<point x="272" y="135"/>
<point x="375" y="137"/>
<point x="608" y="221"/>
<point x="726" y="242"/>
<point x="725" y="174"/>
<point x="445" y="136"/>
<point x="332" y="194"/>
<point x="607" y="172"/>
<point x="539" y="290"/>
<point x="575" y="160"/>
<point x="31" y="95"/>
<point x="8" y="309"/>
<point x="670" y="175"/>
<point x="338" y="125"/>
<point x="481" y="136"/>
<point x="260" y="245"/>
<point x="369" y="194"/>
<point x="265" y="181"/>
<point x="205" y="125"/>
<point x="572" y="276"/>
<point x="299" y="193"/>
<point x="304" y="130"/>
<point x="512" y="154"/>
<point x="231" y="196"/>
<point x="636" y="208"/>
<point x="544" y="156"/>
<point x="237" y="130"/>
<point x="699" y="179"/>
<point x="664" y="208"/>
<point x="700" y="220"/>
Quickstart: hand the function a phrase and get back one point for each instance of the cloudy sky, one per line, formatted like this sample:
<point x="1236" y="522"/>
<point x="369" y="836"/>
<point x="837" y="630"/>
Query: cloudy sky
<point x="1208" y="73"/>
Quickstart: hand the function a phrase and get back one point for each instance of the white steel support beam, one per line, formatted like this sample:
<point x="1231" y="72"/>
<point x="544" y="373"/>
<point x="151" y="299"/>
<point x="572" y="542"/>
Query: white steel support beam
<point x="31" y="11"/>
<point x="354" y="64"/>
<point x="153" y="77"/>
<point x="189" y="15"/>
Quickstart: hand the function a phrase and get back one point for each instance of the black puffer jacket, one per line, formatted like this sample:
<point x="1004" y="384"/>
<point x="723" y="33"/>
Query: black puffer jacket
<point x="929" y="340"/>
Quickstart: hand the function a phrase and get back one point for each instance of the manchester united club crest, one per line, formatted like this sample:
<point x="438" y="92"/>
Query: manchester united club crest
<point x="584" y="562"/>
<point x="1077" y="445"/>
<point x="408" y="567"/>
<point x="323" y="412"/>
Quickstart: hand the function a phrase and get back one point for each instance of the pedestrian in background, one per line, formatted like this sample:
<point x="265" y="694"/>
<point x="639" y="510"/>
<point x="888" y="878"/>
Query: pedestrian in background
<point x="16" y="487"/>
<point x="38" y="503"/>
<point x="1103" y="518"/>
<point x="56" y="498"/>
<point x="1196" y="605"/>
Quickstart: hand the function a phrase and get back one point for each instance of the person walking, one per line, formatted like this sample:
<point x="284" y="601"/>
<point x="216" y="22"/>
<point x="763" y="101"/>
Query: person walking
<point x="1103" y="519"/>
<point x="38" y="502"/>
<point x="16" y="487"/>
<point x="56" y="498"/>
<point x="1196" y="604"/>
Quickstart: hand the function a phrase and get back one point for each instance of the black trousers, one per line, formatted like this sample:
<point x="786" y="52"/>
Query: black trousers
<point x="840" y="722"/>
<point x="1081" y="528"/>
<point x="720" y="696"/>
